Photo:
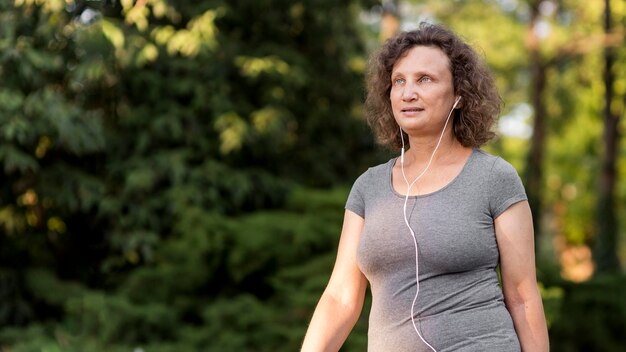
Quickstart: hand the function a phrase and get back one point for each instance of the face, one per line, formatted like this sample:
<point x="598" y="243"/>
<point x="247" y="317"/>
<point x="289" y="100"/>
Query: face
<point x="422" y="92"/>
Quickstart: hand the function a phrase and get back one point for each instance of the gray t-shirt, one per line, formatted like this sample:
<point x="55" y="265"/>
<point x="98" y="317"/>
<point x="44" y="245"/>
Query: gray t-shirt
<point x="460" y="304"/>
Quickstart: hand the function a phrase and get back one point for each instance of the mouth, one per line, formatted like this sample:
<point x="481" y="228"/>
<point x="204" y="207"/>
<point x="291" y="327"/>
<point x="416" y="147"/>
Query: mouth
<point x="413" y="109"/>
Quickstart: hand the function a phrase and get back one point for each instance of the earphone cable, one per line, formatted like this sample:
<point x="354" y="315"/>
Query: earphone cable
<point x="406" y="220"/>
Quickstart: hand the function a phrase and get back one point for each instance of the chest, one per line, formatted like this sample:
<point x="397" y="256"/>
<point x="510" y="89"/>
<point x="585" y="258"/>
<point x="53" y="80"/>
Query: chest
<point x="454" y="232"/>
<point x="422" y="181"/>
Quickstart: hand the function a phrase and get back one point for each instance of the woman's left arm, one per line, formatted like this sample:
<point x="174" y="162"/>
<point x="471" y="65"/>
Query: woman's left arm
<point x="514" y="232"/>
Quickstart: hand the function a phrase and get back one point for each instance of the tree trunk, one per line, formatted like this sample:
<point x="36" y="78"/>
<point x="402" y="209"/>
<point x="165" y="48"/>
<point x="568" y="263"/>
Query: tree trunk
<point x="605" y="248"/>
<point x="533" y="175"/>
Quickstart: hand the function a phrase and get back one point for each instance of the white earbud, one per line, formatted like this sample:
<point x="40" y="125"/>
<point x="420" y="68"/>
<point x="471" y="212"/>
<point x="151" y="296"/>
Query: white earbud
<point x="458" y="99"/>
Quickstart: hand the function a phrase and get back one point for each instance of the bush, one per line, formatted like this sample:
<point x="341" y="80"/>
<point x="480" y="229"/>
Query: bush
<point x="592" y="316"/>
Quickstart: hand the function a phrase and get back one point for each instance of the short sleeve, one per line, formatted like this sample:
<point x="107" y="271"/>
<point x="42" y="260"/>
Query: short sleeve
<point x="356" y="200"/>
<point x="505" y="187"/>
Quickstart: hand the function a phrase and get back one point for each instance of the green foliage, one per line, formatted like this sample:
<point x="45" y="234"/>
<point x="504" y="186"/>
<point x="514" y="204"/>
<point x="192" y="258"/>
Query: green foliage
<point x="157" y="164"/>
<point x="138" y="151"/>
<point x="221" y="283"/>
<point x="592" y="316"/>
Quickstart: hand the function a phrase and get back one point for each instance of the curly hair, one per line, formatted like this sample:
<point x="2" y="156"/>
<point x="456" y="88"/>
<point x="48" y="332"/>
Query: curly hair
<point x="471" y="79"/>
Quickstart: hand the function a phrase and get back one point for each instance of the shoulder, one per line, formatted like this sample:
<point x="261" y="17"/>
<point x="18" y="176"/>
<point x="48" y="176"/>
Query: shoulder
<point x="370" y="182"/>
<point x="494" y="165"/>
<point x="501" y="183"/>
<point x="375" y="173"/>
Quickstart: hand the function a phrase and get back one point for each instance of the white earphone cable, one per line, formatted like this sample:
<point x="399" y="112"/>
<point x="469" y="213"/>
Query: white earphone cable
<point x="406" y="220"/>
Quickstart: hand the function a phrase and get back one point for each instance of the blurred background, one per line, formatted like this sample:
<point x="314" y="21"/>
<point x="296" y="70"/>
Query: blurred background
<point x="173" y="173"/>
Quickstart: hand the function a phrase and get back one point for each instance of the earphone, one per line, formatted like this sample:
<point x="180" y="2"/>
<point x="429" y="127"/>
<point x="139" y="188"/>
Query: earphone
<point x="406" y="220"/>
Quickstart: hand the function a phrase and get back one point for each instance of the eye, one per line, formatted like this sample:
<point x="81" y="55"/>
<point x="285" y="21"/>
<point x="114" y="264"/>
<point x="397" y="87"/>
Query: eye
<point x="426" y="79"/>
<point x="398" y="81"/>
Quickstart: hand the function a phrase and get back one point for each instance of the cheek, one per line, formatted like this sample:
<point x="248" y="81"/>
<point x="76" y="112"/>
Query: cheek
<point x="394" y="104"/>
<point x="394" y="96"/>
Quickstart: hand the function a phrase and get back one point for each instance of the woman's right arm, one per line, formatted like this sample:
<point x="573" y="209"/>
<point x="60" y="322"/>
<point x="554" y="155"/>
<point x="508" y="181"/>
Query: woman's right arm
<point x="342" y="301"/>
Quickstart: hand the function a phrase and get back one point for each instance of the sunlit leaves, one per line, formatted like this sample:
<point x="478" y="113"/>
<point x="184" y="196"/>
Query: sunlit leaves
<point x="270" y="119"/>
<point x="162" y="34"/>
<point x="200" y="34"/>
<point x="204" y="27"/>
<point x="47" y="5"/>
<point x="254" y="66"/>
<point x="232" y="129"/>
<point x="113" y="34"/>
<point x="147" y="54"/>
<point x="130" y="46"/>
<point x="136" y="14"/>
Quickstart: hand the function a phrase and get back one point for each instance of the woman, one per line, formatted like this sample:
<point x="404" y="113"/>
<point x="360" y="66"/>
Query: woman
<point x="428" y="228"/>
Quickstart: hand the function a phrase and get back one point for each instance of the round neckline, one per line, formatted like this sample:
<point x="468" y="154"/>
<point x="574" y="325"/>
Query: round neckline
<point x="393" y="161"/>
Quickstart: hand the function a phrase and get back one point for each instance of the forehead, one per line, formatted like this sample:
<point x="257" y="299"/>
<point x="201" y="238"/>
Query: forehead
<point x="422" y="59"/>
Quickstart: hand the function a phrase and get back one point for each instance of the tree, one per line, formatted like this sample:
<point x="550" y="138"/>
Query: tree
<point x="153" y="155"/>
<point x="534" y="168"/>
<point x="606" y="244"/>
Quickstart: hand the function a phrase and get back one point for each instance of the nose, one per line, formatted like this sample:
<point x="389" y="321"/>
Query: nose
<point x="409" y="93"/>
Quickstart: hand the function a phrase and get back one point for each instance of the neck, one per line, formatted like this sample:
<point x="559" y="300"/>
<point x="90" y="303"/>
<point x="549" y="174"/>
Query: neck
<point x="422" y="149"/>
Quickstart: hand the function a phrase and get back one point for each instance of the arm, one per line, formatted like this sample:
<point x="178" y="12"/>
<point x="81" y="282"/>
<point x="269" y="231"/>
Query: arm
<point x="342" y="301"/>
<point x="514" y="232"/>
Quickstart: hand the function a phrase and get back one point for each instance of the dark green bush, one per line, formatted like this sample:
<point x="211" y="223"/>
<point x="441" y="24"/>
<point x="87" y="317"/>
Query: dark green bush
<point x="592" y="317"/>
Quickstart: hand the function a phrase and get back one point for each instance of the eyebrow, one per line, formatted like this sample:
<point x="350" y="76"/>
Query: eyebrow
<point x="414" y="74"/>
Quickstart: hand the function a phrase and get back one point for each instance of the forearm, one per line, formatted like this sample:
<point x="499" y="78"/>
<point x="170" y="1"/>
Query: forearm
<point x="331" y="324"/>
<point x="530" y="323"/>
